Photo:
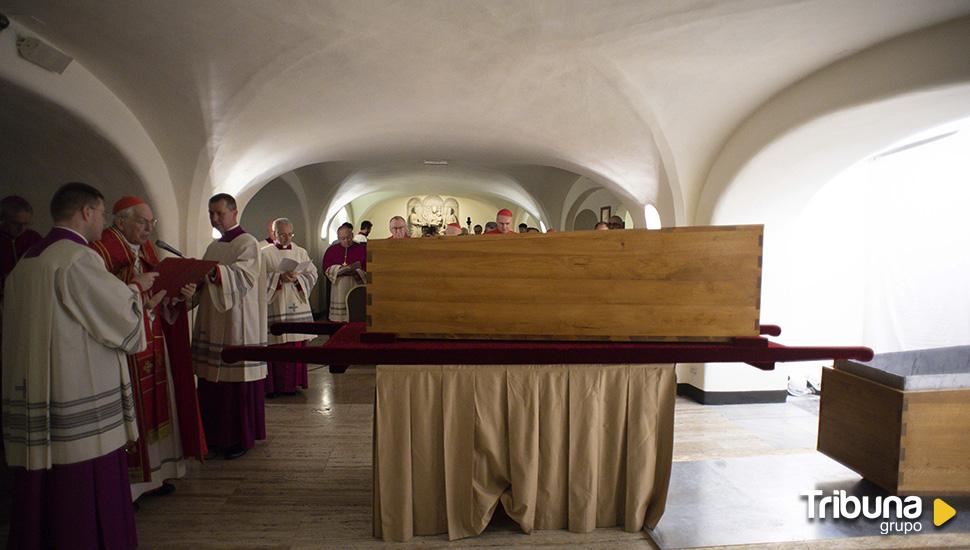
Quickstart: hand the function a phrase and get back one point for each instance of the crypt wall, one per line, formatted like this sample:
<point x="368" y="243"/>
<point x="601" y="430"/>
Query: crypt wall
<point x="67" y="127"/>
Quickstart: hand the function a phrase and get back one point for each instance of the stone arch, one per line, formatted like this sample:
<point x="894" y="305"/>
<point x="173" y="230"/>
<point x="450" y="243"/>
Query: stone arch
<point x="787" y="128"/>
<point x="585" y="219"/>
<point x="82" y="95"/>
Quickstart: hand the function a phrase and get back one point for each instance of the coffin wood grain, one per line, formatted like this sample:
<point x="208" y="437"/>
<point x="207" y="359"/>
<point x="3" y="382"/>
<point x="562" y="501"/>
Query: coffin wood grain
<point x="678" y="283"/>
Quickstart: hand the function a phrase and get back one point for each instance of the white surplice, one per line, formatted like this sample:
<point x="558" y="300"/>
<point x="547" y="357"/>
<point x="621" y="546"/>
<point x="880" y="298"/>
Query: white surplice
<point x="288" y="302"/>
<point x="66" y="388"/>
<point x="340" y="288"/>
<point x="231" y="314"/>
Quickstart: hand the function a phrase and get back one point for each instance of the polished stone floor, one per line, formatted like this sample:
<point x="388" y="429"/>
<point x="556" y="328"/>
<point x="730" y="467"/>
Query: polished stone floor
<point x="308" y="485"/>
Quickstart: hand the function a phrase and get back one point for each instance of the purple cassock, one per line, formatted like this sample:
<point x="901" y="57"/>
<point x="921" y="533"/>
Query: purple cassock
<point x="80" y="505"/>
<point x="233" y="413"/>
<point x="285" y="376"/>
<point x="336" y="254"/>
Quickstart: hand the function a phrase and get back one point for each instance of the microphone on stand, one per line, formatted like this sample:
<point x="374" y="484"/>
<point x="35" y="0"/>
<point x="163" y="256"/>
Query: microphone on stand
<point x="164" y="245"/>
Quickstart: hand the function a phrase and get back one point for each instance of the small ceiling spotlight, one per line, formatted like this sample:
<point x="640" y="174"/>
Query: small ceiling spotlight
<point x="436" y="163"/>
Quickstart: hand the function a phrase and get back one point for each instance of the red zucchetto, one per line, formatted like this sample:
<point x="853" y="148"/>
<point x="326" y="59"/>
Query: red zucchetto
<point x="504" y="212"/>
<point x="126" y="202"/>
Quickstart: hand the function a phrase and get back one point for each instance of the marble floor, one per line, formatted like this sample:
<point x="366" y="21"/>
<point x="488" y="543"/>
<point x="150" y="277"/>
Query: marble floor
<point x="308" y="485"/>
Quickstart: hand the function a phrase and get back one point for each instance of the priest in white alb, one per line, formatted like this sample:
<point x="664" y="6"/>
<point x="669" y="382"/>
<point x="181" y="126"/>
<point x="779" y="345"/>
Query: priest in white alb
<point x="68" y="408"/>
<point x="232" y="312"/>
<point x="290" y="278"/>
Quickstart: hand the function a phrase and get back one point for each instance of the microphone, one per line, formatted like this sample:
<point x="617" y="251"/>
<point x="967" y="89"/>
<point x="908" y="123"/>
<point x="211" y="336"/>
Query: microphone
<point x="162" y="244"/>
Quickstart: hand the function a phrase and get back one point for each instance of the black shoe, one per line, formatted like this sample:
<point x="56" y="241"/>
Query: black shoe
<point x="165" y="489"/>
<point x="236" y="452"/>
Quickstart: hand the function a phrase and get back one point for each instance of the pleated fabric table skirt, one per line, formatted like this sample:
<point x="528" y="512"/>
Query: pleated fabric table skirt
<point x="561" y="446"/>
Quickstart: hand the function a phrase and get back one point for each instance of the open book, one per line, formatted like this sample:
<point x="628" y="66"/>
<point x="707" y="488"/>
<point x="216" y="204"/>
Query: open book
<point x="174" y="273"/>
<point x="289" y="264"/>
<point x="355" y="271"/>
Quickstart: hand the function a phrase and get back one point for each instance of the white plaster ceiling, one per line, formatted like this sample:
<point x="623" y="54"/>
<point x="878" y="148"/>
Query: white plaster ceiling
<point x="237" y="92"/>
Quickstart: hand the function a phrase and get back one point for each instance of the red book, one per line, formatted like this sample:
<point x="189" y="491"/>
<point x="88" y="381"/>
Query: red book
<point x="174" y="273"/>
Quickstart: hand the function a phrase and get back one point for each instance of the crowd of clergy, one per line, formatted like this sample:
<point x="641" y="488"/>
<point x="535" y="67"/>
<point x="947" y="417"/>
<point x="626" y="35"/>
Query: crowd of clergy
<point x="104" y="393"/>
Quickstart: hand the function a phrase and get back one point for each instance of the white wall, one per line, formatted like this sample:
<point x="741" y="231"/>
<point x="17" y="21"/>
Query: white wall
<point x="874" y="258"/>
<point x="276" y="200"/>
<point x="78" y="92"/>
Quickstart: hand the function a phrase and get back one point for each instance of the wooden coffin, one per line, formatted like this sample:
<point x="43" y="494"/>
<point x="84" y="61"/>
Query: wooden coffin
<point x="907" y="442"/>
<point x="692" y="283"/>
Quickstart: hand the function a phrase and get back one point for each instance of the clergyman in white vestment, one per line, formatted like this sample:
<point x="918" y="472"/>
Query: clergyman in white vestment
<point x="68" y="408"/>
<point x="232" y="312"/>
<point x="290" y="278"/>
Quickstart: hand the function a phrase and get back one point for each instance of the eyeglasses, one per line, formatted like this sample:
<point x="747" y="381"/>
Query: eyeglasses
<point x="290" y="235"/>
<point x="150" y="224"/>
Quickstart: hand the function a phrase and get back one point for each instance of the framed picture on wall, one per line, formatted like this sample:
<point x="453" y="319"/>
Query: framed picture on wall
<point x="605" y="213"/>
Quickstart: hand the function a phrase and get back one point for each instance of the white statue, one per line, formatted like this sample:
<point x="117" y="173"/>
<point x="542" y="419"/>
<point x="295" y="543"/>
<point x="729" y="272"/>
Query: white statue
<point x="430" y="212"/>
<point x="450" y="214"/>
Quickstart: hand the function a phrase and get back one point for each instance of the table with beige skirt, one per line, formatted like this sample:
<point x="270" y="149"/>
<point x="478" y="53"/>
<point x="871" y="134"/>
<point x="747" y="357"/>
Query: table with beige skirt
<point x="560" y="446"/>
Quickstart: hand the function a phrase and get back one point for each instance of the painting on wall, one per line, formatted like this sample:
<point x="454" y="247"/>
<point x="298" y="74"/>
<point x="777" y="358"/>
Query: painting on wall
<point x="605" y="213"/>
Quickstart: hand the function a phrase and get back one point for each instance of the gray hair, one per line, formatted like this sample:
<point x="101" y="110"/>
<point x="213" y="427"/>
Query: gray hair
<point x="124" y="214"/>
<point x="281" y="221"/>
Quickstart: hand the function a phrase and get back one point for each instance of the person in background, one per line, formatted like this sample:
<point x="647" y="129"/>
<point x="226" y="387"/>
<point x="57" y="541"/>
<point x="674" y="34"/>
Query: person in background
<point x="344" y="264"/>
<point x="270" y="234"/>
<point x="503" y="221"/>
<point x="601" y="226"/>
<point x="452" y="230"/>
<point x="288" y="300"/>
<point x="398" y="227"/>
<point x="491" y="228"/>
<point x="478" y="229"/>
<point x="617" y="222"/>
<point x="361" y="236"/>
<point x="523" y="228"/>
<point x="15" y="238"/>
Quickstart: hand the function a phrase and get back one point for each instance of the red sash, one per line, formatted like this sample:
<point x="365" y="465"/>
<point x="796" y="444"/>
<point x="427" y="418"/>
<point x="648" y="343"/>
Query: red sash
<point x="148" y="373"/>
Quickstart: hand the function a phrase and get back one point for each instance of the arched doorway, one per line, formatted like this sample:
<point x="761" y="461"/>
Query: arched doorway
<point x="586" y="219"/>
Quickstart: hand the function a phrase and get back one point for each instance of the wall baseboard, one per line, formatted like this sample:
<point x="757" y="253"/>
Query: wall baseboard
<point x="731" y="397"/>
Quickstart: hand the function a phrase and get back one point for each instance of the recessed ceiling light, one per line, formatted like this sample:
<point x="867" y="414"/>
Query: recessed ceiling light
<point x="436" y="163"/>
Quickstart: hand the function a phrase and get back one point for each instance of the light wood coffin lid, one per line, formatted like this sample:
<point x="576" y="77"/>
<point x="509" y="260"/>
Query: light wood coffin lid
<point x="681" y="283"/>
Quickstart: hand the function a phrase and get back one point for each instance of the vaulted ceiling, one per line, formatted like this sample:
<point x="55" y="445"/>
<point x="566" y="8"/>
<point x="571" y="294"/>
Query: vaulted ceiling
<point x="633" y="94"/>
